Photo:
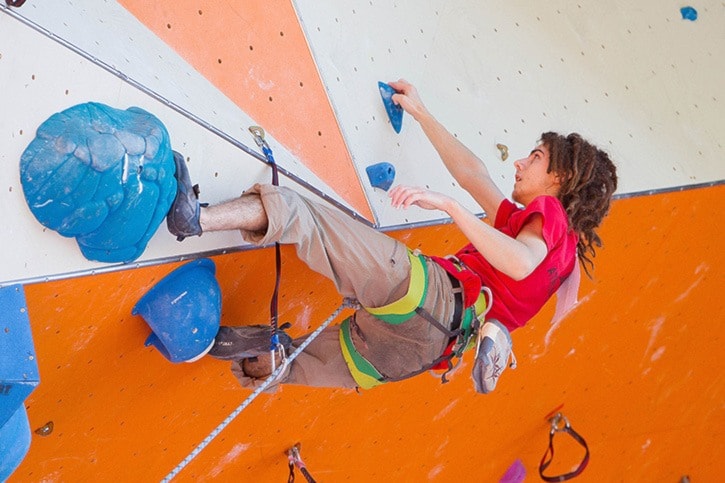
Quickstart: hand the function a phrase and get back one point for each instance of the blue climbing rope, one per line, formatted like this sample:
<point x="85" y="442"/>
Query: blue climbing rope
<point x="346" y="303"/>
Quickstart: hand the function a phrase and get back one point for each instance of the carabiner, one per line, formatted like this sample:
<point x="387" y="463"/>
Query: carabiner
<point x="559" y="423"/>
<point x="258" y="134"/>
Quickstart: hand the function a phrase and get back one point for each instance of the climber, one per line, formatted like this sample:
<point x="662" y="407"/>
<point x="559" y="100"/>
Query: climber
<point x="419" y="311"/>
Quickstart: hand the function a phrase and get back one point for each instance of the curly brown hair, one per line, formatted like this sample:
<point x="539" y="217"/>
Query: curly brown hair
<point x="588" y="180"/>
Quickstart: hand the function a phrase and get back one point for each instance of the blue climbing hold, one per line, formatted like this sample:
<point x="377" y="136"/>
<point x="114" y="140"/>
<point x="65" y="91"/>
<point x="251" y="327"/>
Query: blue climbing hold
<point x="689" y="13"/>
<point x="184" y="311"/>
<point x="101" y="175"/>
<point x="381" y="175"/>
<point x="18" y="377"/>
<point x="395" y="112"/>
<point x="14" y="442"/>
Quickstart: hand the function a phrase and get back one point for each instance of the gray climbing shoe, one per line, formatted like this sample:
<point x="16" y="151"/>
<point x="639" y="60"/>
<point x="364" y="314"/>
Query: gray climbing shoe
<point x="183" y="217"/>
<point x="492" y="355"/>
<point x="244" y="342"/>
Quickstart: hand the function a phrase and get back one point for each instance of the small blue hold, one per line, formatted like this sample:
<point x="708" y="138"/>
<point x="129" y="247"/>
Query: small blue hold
<point x="395" y="111"/>
<point x="381" y="175"/>
<point x="689" y="13"/>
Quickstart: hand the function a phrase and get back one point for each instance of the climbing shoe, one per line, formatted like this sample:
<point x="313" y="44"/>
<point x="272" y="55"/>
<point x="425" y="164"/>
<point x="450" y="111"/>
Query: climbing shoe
<point x="493" y="350"/>
<point x="183" y="217"/>
<point x="244" y="342"/>
<point x="260" y="367"/>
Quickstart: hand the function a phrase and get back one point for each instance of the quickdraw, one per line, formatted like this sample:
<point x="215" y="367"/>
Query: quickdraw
<point x="276" y="347"/>
<point x="295" y="460"/>
<point x="559" y="423"/>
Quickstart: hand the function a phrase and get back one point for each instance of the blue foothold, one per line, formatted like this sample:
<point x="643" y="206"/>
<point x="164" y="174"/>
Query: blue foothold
<point x="381" y="175"/>
<point x="689" y="13"/>
<point x="395" y="112"/>
<point x="183" y="310"/>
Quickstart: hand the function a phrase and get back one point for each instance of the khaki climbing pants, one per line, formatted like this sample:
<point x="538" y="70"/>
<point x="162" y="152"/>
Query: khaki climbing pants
<point x="364" y="264"/>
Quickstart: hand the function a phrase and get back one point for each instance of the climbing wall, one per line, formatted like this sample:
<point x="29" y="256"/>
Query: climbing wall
<point x="630" y="367"/>
<point x="117" y="61"/>
<point x="636" y="368"/>
<point x="636" y="79"/>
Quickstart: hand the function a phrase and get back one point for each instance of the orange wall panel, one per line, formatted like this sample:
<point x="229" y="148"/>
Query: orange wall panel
<point x="636" y="366"/>
<point x="260" y="60"/>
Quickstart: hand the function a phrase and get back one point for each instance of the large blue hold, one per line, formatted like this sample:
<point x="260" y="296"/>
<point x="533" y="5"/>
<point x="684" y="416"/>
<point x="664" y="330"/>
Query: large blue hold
<point x="183" y="310"/>
<point x="18" y="377"/>
<point x="14" y="442"/>
<point x="101" y="175"/>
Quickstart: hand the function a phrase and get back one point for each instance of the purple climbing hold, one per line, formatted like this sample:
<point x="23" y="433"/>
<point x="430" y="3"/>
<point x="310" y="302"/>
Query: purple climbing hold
<point x="515" y="474"/>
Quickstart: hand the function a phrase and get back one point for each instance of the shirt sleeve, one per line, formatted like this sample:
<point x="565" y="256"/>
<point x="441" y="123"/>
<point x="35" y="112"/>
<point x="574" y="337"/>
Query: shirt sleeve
<point x="510" y="219"/>
<point x="505" y="210"/>
<point x="555" y="222"/>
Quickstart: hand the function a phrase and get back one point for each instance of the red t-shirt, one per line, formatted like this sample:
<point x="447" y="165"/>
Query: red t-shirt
<point x="516" y="302"/>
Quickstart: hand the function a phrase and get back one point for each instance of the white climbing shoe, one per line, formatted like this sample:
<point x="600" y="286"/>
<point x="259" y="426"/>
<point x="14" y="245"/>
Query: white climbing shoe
<point x="493" y="349"/>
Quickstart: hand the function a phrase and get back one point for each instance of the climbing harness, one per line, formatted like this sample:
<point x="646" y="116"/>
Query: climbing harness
<point x="346" y="303"/>
<point x="469" y="313"/>
<point x="295" y="460"/>
<point x="405" y="307"/>
<point x="559" y="423"/>
<point x="276" y="347"/>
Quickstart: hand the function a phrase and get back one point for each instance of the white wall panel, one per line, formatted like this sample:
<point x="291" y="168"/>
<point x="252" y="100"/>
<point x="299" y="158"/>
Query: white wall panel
<point x="40" y="77"/>
<point x="635" y="78"/>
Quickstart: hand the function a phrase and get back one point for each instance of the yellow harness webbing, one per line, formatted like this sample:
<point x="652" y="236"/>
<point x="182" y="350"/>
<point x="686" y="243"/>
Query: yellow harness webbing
<point x="365" y="374"/>
<point x="404" y="308"/>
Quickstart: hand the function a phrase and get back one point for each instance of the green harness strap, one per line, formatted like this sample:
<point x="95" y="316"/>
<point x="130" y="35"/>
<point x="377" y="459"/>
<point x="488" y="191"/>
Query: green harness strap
<point x="365" y="374"/>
